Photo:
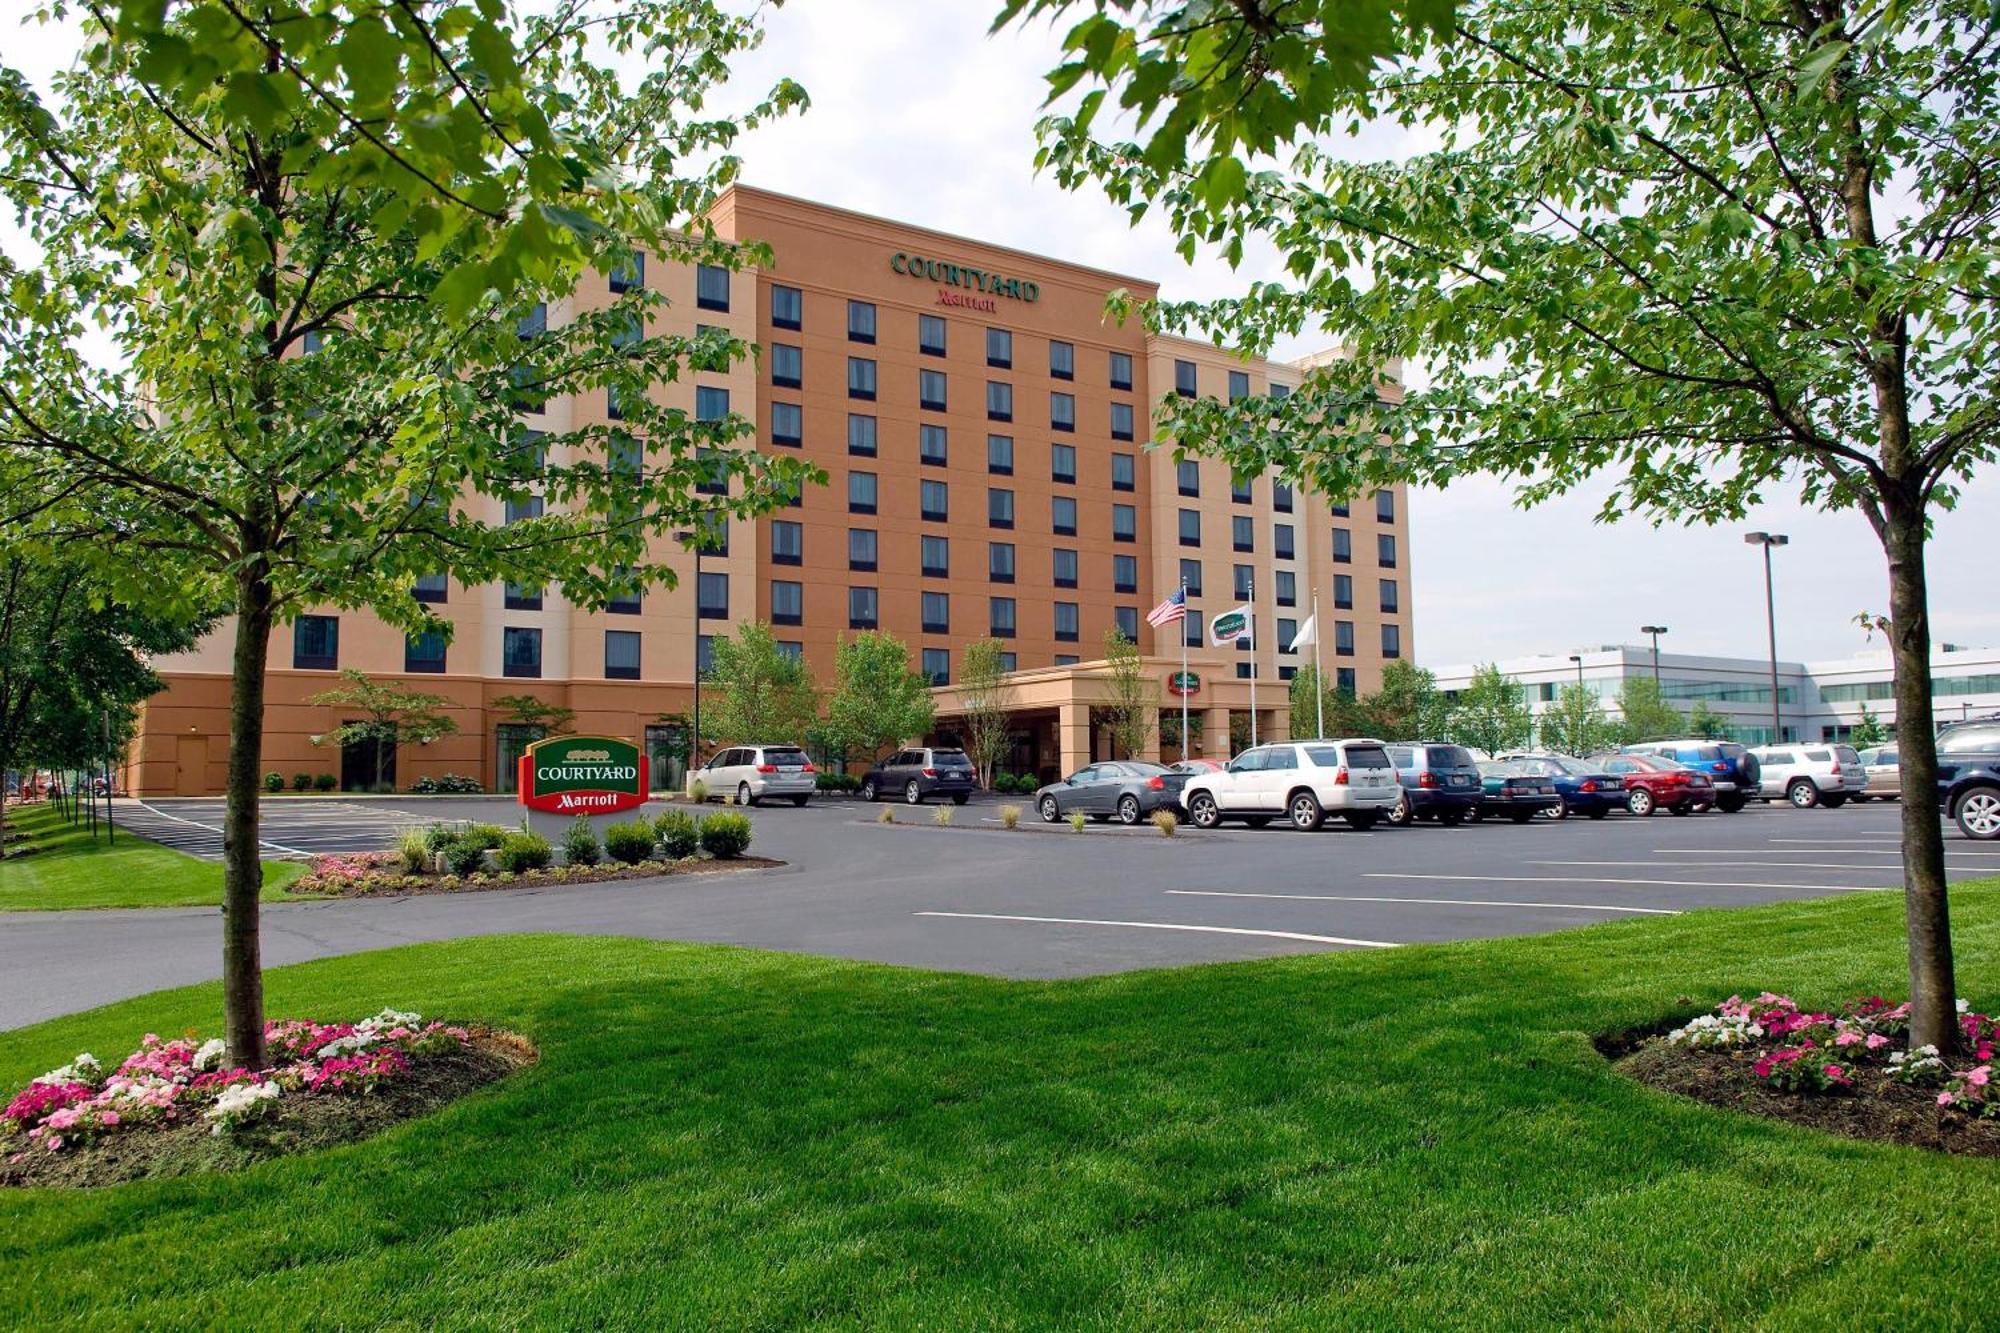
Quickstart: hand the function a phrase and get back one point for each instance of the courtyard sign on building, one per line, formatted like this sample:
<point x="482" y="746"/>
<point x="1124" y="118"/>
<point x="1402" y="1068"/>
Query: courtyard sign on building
<point x="960" y="275"/>
<point x="583" y="775"/>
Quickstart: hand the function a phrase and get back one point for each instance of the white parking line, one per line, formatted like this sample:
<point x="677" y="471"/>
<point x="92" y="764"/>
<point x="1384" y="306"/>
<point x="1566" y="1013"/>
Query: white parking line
<point x="1746" y="865"/>
<point x="1894" y="853"/>
<point x="293" y="851"/>
<point x="1439" y="902"/>
<point x="1166" y="925"/>
<point x="1872" y="840"/>
<point x="1598" y="879"/>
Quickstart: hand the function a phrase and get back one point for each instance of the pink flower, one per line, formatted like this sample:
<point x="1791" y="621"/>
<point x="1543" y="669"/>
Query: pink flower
<point x="1876" y="1041"/>
<point x="1979" y="1077"/>
<point x="108" y="1119"/>
<point x="1847" y="1038"/>
<point x="1945" y="1099"/>
<point x="53" y="1143"/>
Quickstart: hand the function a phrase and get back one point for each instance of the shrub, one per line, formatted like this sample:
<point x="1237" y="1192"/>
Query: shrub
<point x="677" y="833"/>
<point x="697" y="791"/>
<point x="1077" y="821"/>
<point x="464" y="854"/>
<point x="524" y="850"/>
<point x="888" y="815"/>
<point x="274" y="782"/>
<point x="447" y="784"/>
<point x="302" y="781"/>
<point x="1010" y="816"/>
<point x="725" y="835"/>
<point x="629" y="843"/>
<point x="842" y="782"/>
<point x="580" y="843"/>
<point x="414" y="846"/>
<point x="1166" y="822"/>
<point x="489" y="835"/>
<point x="437" y="835"/>
<point x="325" y="782"/>
<point x="942" y="816"/>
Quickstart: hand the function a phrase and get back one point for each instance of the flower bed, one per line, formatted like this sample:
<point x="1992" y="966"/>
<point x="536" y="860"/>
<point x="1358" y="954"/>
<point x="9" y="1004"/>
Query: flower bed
<point x="375" y="874"/>
<point x="1848" y="1070"/>
<point x="177" y="1105"/>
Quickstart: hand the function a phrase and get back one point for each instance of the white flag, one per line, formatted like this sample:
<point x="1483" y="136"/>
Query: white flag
<point x="1308" y="633"/>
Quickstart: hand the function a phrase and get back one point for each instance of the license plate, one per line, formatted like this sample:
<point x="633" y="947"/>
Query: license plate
<point x="1460" y="782"/>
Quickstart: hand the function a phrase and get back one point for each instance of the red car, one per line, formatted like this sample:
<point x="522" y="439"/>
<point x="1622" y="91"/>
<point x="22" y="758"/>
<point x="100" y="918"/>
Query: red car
<point x="1652" y="783"/>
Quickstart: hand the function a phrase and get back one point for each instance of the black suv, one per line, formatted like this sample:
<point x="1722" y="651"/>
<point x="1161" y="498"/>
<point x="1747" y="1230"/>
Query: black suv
<point x="1969" y="776"/>
<point x="916" y="774"/>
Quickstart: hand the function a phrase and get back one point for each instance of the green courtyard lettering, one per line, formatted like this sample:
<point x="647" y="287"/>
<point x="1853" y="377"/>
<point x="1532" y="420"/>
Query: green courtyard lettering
<point x="948" y="274"/>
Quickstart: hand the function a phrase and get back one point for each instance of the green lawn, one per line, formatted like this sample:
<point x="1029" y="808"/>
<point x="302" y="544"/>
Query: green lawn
<point x="71" y="870"/>
<point x="1416" y="1137"/>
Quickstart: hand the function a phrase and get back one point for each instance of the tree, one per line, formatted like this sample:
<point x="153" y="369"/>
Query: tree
<point x="1699" y="253"/>
<point x="320" y="246"/>
<point x="394" y="713"/>
<point x="538" y="715"/>
<point x="759" y="691"/>
<point x="1576" y="725"/>
<point x="1134" y="709"/>
<point x="1643" y="715"/>
<point x="1408" y="707"/>
<point x="983" y="694"/>
<point x="878" y="700"/>
<point x="1343" y="714"/>
<point x="1868" y="731"/>
<point x="1491" y="714"/>
<point x="1706" y="723"/>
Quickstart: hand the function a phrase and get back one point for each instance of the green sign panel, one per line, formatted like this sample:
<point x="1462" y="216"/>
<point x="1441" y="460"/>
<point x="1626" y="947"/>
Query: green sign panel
<point x="1184" y="682"/>
<point x="583" y="775"/>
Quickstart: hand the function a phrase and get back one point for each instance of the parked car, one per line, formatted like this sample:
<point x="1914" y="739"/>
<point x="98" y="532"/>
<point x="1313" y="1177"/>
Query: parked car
<point x="1810" y="775"/>
<point x="1303" y="780"/>
<point x="1969" y="777"/>
<point x="1515" y="789"/>
<point x="749" y="773"/>
<point x="1439" y="782"/>
<point x="921" y="773"/>
<point x="1885" y="774"/>
<point x="1581" y="788"/>
<point x="1653" y="783"/>
<point x="1191" y="767"/>
<point x="1732" y="768"/>
<point x="1125" y="789"/>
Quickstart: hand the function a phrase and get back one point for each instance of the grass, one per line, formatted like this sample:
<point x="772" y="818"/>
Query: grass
<point x="1413" y="1137"/>
<point x="68" y="869"/>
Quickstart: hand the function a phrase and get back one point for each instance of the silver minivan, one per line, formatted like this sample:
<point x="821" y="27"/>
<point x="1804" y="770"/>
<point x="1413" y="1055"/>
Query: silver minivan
<point x="749" y="773"/>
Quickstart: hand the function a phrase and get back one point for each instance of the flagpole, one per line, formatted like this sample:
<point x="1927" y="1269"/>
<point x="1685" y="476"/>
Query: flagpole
<point x="1186" y="749"/>
<point x="1255" y="644"/>
<point x="1319" y="680"/>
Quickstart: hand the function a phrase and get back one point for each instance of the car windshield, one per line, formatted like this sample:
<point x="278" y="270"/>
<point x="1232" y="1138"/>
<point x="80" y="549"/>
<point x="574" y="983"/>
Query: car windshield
<point x="1981" y="739"/>
<point x="949" y="759"/>
<point x="1144" y="768"/>
<point x="1449" y="756"/>
<point x="1845" y="754"/>
<point x="1402" y="756"/>
<point x="1367" y="756"/>
<point x="784" y="756"/>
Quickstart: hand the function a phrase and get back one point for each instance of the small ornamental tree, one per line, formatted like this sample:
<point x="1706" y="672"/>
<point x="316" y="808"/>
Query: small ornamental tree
<point x="1491" y="714"/>
<point x="1408" y="707"/>
<point x="1868" y="731"/>
<point x="1576" y="723"/>
<point x="1706" y="723"/>
<point x="538" y="715"/>
<point x="878" y="700"/>
<point x="984" y="694"/>
<point x="1643" y="715"/>
<point x="1342" y="711"/>
<point x="1134" y="709"/>
<point x="756" y="691"/>
<point x="393" y="713"/>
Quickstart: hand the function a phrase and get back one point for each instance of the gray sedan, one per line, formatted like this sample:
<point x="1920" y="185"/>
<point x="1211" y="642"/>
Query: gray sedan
<point x="1125" y="789"/>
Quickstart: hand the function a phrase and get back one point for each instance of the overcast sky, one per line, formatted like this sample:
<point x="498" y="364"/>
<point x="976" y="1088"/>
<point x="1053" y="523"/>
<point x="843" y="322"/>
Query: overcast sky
<point x="918" y="115"/>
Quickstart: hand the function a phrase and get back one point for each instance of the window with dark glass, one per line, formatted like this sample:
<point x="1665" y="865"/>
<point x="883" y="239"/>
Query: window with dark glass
<point x="788" y="308"/>
<point x="1000" y="455"/>
<point x="1062" y="411"/>
<point x="999" y="401"/>
<point x="1124" y="473"/>
<point x="1062" y="360"/>
<point x="936" y="554"/>
<point x="1121" y="370"/>
<point x="614" y="403"/>
<point x="316" y="643"/>
<point x="633" y="275"/>
<point x="1190" y="527"/>
<point x="1243" y="532"/>
<point x="931" y="445"/>
<point x="1000" y="562"/>
<point x="1126" y="619"/>
<point x="788" y="602"/>
<point x="1184" y="379"/>
<point x="524" y="508"/>
<point x="1124" y="523"/>
<point x="861" y="433"/>
<point x="1282" y="541"/>
<point x="1389" y="598"/>
<point x="424" y="653"/>
<point x="1191" y="629"/>
<point x="710" y="403"/>
<point x="1068" y="623"/>
<point x="1281" y="497"/>
<point x="930" y="390"/>
<point x="1288" y="629"/>
<point x="531" y="325"/>
<point x="861" y="548"/>
<point x="431" y="588"/>
<point x="791" y="648"/>
<point x="704" y="653"/>
<point x="1344" y="680"/>
<point x="1000" y="348"/>
<point x="861" y="378"/>
<point x="712" y="595"/>
<point x="934" y="502"/>
<point x="715" y="535"/>
<point x="711" y="287"/>
<point x="1343" y="638"/>
<point x="1239" y="386"/>
<point x="1124" y="573"/>
<point x="1343" y="546"/>
<point x="714" y="472"/>
<point x="1392" y="641"/>
<point x="1000" y="617"/>
<point x="788" y="423"/>
<point x="788" y="542"/>
<point x="1191" y="576"/>
<point x="1065" y="567"/>
<point x="631" y="331"/>
<point x="521" y="652"/>
<point x="1241" y="490"/>
<point x="1385" y="550"/>
<point x="930" y="335"/>
<point x="999" y="507"/>
<point x="860" y="322"/>
<point x="520" y="597"/>
<point x="937" y="613"/>
<point x="1121" y="421"/>
<point x="861" y="492"/>
<point x="1062" y="513"/>
<point x="1243" y="582"/>
<point x="788" y="366"/>
<point x="1343" y="592"/>
<point x="621" y="654"/>
<point x="862" y="608"/>
<point x="625" y="602"/>
<point x="1187" y="477"/>
<point x="1062" y="659"/>
<point x="1062" y="463"/>
<point x="1385" y="506"/>
<point x="937" y="665"/>
<point x="1338" y="511"/>
<point x="1285" y="586"/>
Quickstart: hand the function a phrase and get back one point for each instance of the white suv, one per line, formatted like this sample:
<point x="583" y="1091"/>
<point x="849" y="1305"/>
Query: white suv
<point x="1302" y="780"/>
<point x="1810" y="775"/>
<point x="749" y="773"/>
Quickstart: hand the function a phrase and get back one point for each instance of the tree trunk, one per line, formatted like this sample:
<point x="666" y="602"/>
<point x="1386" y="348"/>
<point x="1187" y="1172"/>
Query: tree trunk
<point x="1926" y="907"/>
<point x="243" y="868"/>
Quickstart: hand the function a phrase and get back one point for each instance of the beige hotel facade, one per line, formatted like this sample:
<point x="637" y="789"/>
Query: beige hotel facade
<point x="983" y="427"/>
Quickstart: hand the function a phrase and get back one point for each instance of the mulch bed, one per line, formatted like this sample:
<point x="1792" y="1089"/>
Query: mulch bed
<point x="406" y="885"/>
<point x="299" y="1126"/>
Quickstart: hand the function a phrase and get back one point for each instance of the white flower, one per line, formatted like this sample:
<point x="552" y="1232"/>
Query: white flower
<point x="83" y="1069"/>
<point x="211" y="1053"/>
<point x="1715" y="1030"/>
<point x="391" y="1018"/>
<point x="1963" y="1006"/>
<point x="240" y="1103"/>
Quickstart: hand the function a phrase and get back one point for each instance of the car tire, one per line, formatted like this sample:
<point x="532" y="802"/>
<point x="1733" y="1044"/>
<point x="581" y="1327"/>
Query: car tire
<point x="1977" y="814"/>
<point x="867" y="789"/>
<point x="1451" y="818"/>
<point x="1303" y="809"/>
<point x="1399" y="813"/>
<point x="1599" y="813"/>
<point x="1834" y="800"/>
<point x="1802" y="794"/>
<point x="1702" y="807"/>
<point x="1640" y="802"/>
<point x="1560" y="810"/>
<point x="1128" y="809"/>
<point x="1257" y="821"/>
<point x="1729" y="805"/>
<point x="1203" y="812"/>
<point x="1361" y="820"/>
<point x="1683" y="809"/>
<point x="1050" y="811"/>
<point x="913" y="792"/>
<point x="799" y="801"/>
<point x="960" y="798"/>
<point x="744" y="796"/>
<point x="1521" y="816"/>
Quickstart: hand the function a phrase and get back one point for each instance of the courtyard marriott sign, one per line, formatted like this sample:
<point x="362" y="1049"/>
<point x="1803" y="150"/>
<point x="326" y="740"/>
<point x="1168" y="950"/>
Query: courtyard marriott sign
<point x="958" y="275"/>
<point x="583" y="775"/>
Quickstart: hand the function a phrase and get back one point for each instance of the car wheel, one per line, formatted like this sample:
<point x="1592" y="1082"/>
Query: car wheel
<point x="1862" y="798"/>
<point x="1521" y="816"/>
<point x="1476" y="814"/>
<point x="1599" y="813"/>
<point x="1639" y="801"/>
<point x="1701" y="807"/>
<point x="1978" y="814"/>
<point x="1203" y="812"/>
<point x="1399" y="813"/>
<point x="1560" y="810"/>
<point x="1305" y="812"/>
<point x="1362" y="820"/>
<point x="1802" y="794"/>
<point x="867" y="789"/>
<point x="1729" y="805"/>
<point x="1451" y="818"/>
<point x="1051" y="812"/>
<point x="1257" y="821"/>
<point x="1834" y="802"/>
<point x="1128" y="809"/>
<point x="1680" y="810"/>
<point x="913" y="792"/>
<point x="743" y="796"/>
<point x="799" y="801"/>
<point x="960" y="798"/>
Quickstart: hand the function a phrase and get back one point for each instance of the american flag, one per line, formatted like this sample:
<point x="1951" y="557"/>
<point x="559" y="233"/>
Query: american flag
<point x="1167" y="612"/>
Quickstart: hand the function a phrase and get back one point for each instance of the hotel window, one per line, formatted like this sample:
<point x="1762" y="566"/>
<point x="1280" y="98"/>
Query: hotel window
<point x="1286" y="672"/>
<point x="431" y="588"/>
<point x="1343" y="681"/>
<point x="1000" y="348"/>
<point x="633" y="275"/>
<point x="861" y="492"/>
<point x="713" y="360"/>
<point x="1062" y="515"/>
<point x="1241" y="490"/>
<point x="1286" y="585"/>
<point x="712" y="596"/>
<point x="788" y="542"/>
<point x="1390" y="600"/>
<point x="931" y="445"/>
<point x="1191" y="630"/>
<point x="1392" y="641"/>
<point x="710" y="403"/>
<point x="999" y="401"/>
<point x="1000" y="455"/>
<point x="711" y="287"/>
<point x="862" y="608"/>
<point x="936" y="552"/>
<point x="1385" y="550"/>
<point x="999" y="507"/>
<point x="424" y="653"/>
<point x="1343" y="546"/>
<point x="1062" y="411"/>
<point x="1121" y="370"/>
<point x="715" y="540"/>
<point x="1121" y="421"/>
<point x="1000" y="617"/>
<point x="1124" y="523"/>
<point x="517" y="597"/>
<point x="1343" y="638"/>
<point x="1288" y="629"/>
<point x="627" y="460"/>
<point x="792" y="649"/>
<point x="521" y="653"/>
<point x="1190" y="527"/>
<point x="1062" y="361"/>
<point x="788" y="423"/>
<point x="1280" y="391"/>
<point x="1282" y="541"/>
<point x="1385" y="506"/>
<point x="614" y="406"/>
<point x="529" y="394"/>
<point x="934" y="502"/>
<point x="861" y="378"/>
<point x="1062" y="659"/>
<point x="999" y="562"/>
<point x="1243" y="580"/>
<point x="1281" y="497"/>
<point x="1184" y="379"/>
<point x="1239" y="386"/>
<point x="1243" y="532"/>
<point x="1064" y="568"/>
<point x="1126" y="619"/>
<point x="861" y="549"/>
<point x="787" y="366"/>
<point x="704" y="653"/>
<point x="1124" y="573"/>
<point x="715" y="480"/>
<point x="531" y="325"/>
<point x="937" y="665"/>
<point x="1124" y="473"/>
<point x="316" y="643"/>
<point x="930" y="335"/>
<point x="1191" y="576"/>
<point x="937" y="613"/>
<point x="787" y="601"/>
<point x="630" y="333"/>
<point x="930" y="390"/>
<point x="860" y="322"/>
<point x="788" y="308"/>
<point x="1068" y="623"/>
<point x="1062" y="463"/>
<point x="1187" y="476"/>
<point x="1338" y="511"/>
<point x="524" y="508"/>
<point x="861" y="434"/>
<point x="621" y="654"/>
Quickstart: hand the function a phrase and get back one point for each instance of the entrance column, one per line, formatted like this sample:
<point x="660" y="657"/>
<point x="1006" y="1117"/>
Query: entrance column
<point x="1215" y="734"/>
<point x="1150" y="751"/>
<point x="1073" y="736"/>
<point x="1275" y="725"/>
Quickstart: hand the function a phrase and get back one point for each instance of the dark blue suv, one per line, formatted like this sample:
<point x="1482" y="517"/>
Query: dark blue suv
<point x="1969" y="777"/>
<point x="1732" y="770"/>
<point x="1440" y="782"/>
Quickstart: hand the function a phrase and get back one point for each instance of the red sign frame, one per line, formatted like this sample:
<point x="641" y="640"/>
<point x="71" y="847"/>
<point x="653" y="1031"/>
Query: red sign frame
<point x="564" y="775"/>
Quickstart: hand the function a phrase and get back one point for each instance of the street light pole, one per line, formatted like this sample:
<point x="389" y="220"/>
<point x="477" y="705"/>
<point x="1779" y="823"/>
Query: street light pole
<point x="1656" y="631"/>
<point x="1767" y="540"/>
<point x="700" y="539"/>
<point x="1578" y="659"/>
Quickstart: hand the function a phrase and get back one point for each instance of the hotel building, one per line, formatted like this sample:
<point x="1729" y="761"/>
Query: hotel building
<point x="983" y="427"/>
